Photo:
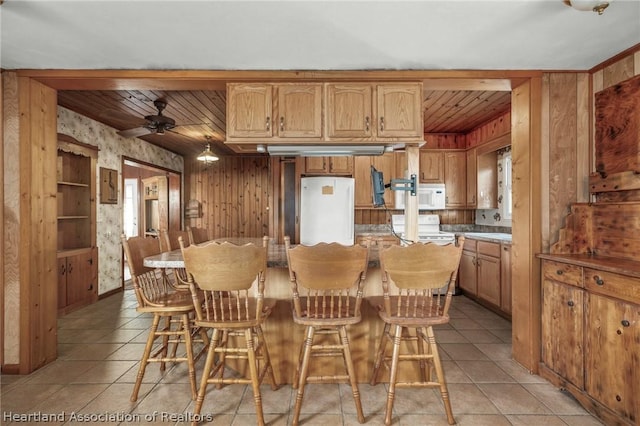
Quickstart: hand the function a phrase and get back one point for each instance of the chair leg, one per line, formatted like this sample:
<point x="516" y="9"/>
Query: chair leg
<point x="296" y="377"/>
<point x="397" y="337"/>
<point x="253" y="371"/>
<point x="380" y="354"/>
<point x="204" y="381"/>
<point x="267" y="358"/>
<point x="145" y="357"/>
<point x="351" y="370"/>
<point x="425" y="375"/>
<point x="304" y="370"/>
<point x="186" y="331"/>
<point x="440" y="373"/>
<point x="222" y="342"/>
<point x="165" y="342"/>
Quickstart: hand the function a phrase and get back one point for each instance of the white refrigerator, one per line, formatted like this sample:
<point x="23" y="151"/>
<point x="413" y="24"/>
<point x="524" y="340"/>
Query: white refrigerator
<point x="326" y="210"/>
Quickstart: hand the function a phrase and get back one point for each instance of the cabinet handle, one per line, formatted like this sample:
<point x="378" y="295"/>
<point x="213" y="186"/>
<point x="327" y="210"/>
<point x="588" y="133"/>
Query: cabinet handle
<point x="382" y="124"/>
<point x="70" y="269"/>
<point x="90" y="287"/>
<point x="570" y="303"/>
<point x="366" y="123"/>
<point x="625" y="323"/>
<point x="598" y="280"/>
<point x="281" y="123"/>
<point x="63" y="269"/>
<point x="559" y="272"/>
<point x="268" y="123"/>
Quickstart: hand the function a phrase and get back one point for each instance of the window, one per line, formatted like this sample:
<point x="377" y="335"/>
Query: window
<point x="505" y="190"/>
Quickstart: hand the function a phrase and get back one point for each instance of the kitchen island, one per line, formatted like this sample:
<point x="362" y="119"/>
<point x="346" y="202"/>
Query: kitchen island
<point x="285" y="338"/>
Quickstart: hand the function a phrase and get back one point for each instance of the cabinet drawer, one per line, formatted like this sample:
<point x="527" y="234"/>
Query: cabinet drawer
<point x="470" y="244"/>
<point x="614" y="285"/>
<point x="490" y="249"/>
<point x="562" y="272"/>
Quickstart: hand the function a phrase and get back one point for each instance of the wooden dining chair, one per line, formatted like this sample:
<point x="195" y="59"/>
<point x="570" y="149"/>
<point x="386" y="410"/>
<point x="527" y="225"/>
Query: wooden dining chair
<point x="227" y="285"/>
<point x="156" y="296"/>
<point x="412" y="301"/>
<point x="198" y="235"/>
<point x="168" y="242"/>
<point x="326" y="282"/>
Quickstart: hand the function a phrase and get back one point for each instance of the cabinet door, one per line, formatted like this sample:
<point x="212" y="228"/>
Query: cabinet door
<point x="349" y="108"/>
<point x="386" y="164"/>
<point x="62" y="282"/>
<point x="611" y="354"/>
<point x="315" y="164"/>
<point x="341" y="165"/>
<point x="472" y="178"/>
<point x="399" y="110"/>
<point x="487" y="181"/>
<point x="249" y="111"/>
<point x="431" y="167"/>
<point x="505" y="279"/>
<point x="467" y="271"/>
<point x="562" y="330"/>
<point x="80" y="278"/>
<point x="299" y="110"/>
<point x="455" y="178"/>
<point x="489" y="279"/>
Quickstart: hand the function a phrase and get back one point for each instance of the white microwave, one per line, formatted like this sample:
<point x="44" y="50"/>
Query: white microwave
<point x="431" y="196"/>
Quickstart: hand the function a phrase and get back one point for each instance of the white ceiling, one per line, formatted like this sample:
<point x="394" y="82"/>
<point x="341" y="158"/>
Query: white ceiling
<point x="320" y="35"/>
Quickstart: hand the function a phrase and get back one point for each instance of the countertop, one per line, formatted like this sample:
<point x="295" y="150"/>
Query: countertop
<point x="494" y="237"/>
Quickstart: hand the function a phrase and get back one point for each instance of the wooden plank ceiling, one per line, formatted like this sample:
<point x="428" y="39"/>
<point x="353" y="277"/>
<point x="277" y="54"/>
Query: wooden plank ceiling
<point x="200" y="114"/>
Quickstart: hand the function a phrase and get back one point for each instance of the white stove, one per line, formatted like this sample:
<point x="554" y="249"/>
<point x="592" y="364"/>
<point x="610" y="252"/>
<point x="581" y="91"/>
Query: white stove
<point x="428" y="228"/>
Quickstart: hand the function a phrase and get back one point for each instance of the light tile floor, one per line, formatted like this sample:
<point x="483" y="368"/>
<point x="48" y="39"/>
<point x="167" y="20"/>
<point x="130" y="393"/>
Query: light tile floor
<point x="100" y="345"/>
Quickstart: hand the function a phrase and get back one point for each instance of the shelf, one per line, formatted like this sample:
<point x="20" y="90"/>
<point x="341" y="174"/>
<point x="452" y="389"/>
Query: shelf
<point x="72" y="217"/>
<point x="72" y="252"/>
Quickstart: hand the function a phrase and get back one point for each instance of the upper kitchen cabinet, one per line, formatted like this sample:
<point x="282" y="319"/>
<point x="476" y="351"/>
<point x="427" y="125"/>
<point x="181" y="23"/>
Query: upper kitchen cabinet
<point x="487" y="181"/>
<point x="252" y="113"/>
<point x="399" y="111"/>
<point x="249" y="111"/>
<point x="349" y="110"/>
<point x="455" y="178"/>
<point x="431" y="167"/>
<point x="342" y="165"/>
<point x="299" y="110"/>
<point x="362" y="173"/>
<point x="472" y="178"/>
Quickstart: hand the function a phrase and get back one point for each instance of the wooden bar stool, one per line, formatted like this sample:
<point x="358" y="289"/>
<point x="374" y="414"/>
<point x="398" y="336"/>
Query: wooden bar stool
<point x="326" y="281"/>
<point x="156" y="296"/>
<point x="198" y="235"/>
<point x="411" y="279"/>
<point x="221" y="278"/>
<point x="168" y="242"/>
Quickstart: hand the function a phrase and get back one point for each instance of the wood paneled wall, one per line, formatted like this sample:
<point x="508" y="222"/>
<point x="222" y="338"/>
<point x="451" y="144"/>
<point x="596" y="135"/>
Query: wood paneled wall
<point x="499" y="126"/>
<point x="30" y="338"/>
<point x="382" y="216"/>
<point x="235" y="193"/>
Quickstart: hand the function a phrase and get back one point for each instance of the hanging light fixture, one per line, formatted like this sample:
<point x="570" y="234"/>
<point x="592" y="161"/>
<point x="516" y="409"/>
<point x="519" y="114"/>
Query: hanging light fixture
<point x="207" y="156"/>
<point x="597" y="6"/>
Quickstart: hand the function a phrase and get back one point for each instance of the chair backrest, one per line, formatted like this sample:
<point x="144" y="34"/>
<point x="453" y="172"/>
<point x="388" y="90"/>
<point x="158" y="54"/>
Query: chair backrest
<point x="413" y="273"/>
<point x="198" y="235"/>
<point x="225" y="274"/>
<point x="169" y="239"/>
<point x="327" y="275"/>
<point x="149" y="284"/>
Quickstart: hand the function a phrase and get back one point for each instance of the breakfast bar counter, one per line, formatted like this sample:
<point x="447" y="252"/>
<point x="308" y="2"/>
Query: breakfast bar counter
<point x="285" y="338"/>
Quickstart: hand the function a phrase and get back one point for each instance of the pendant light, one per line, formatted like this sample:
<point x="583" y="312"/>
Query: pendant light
<point x="597" y="6"/>
<point x="207" y="156"/>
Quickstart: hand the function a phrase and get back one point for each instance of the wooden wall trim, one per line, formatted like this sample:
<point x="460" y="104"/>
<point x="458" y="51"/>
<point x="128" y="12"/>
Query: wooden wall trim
<point x="526" y="151"/>
<point x="625" y="53"/>
<point x="2" y="220"/>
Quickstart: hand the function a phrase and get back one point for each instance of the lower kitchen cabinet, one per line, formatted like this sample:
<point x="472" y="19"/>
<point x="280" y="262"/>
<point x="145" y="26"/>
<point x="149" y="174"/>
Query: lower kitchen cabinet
<point x="591" y="336"/>
<point x="481" y="274"/>
<point x="77" y="279"/>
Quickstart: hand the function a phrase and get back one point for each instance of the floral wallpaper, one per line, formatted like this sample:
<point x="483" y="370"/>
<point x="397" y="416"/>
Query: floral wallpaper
<point x="109" y="216"/>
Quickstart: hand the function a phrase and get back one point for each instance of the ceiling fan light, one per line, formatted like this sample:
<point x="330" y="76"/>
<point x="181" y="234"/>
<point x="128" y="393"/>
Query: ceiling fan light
<point x="590" y="5"/>
<point x="207" y="156"/>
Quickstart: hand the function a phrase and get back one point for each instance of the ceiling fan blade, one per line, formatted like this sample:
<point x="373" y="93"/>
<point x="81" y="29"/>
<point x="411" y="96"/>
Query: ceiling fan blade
<point x="135" y="132"/>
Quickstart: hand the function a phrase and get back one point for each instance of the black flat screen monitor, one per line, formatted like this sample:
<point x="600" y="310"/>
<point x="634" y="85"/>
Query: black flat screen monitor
<point x="377" y="186"/>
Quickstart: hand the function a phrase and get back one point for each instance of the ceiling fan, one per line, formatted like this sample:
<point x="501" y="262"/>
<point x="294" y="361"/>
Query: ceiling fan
<point x="157" y="123"/>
